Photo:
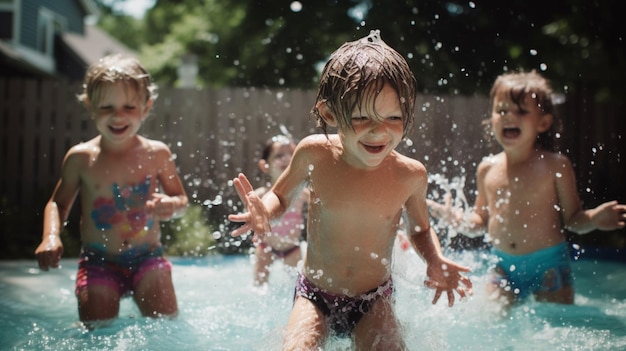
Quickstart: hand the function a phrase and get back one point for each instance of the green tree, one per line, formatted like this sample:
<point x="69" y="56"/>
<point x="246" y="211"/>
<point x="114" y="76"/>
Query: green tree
<point x="453" y="46"/>
<point x="125" y="28"/>
<point x="242" y="42"/>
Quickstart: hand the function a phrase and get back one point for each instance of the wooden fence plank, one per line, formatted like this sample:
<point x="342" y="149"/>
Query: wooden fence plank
<point x="217" y="133"/>
<point x="14" y="140"/>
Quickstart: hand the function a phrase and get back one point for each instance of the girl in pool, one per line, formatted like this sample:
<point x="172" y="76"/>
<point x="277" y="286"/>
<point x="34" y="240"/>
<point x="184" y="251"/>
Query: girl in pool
<point x="283" y="242"/>
<point x="127" y="184"/>
<point x="527" y="196"/>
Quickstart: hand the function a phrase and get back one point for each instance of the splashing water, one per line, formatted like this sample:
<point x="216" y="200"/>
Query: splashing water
<point x="452" y="190"/>
<point x="221" y="310"/>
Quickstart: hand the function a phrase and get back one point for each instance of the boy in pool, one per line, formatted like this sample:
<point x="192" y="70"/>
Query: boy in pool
<point x="127" y="184"/>
<point x="359" y="187"/>
<point x="283" y="242"/>
<point x="527" y="196"/>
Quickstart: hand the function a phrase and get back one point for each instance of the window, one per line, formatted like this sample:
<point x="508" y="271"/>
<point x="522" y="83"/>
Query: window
<point x="45" y="32"/>
<point x="6" y="20"/>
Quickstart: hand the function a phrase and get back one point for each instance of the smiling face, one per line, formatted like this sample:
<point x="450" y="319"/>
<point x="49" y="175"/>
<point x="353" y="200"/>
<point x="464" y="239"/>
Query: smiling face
<point x="517" y="125"/>
<point x="375" y="130"/>
<point x="118" y="112"/>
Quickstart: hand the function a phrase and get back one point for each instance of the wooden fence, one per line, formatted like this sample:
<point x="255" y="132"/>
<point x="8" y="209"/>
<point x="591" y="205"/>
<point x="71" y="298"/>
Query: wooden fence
<point x="217" y="133"/>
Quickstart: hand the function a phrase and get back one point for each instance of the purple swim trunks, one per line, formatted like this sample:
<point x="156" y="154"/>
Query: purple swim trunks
<point x="343" y="312"/>
<point x="122" y="273"/>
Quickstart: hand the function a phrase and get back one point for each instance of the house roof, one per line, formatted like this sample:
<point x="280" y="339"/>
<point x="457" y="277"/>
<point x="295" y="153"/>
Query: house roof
<point x="94" y="45"/>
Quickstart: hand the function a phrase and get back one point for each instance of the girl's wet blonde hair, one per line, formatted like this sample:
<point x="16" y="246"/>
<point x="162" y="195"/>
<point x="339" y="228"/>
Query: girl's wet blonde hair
<point x="355" y="75"/>
<point x="117" y="68"/>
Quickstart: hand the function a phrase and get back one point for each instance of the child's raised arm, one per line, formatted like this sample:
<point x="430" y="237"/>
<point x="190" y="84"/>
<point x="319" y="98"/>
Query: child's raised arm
<point x="608" y="216"/>
<point x="442" y="273"/>
<point x="276" y="201"/>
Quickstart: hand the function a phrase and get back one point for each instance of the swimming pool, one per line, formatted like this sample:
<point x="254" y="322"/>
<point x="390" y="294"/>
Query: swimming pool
<point x="220" y="310"/>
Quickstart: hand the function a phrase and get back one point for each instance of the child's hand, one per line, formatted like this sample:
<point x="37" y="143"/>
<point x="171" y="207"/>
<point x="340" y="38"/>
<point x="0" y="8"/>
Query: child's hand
<point x="609" y="216"/>
<point x="257" y="218"/>
<point x="445" y="276"/>
<point x="446" y="213"/>
<point x="49" y="252"/>
<point x="162" y="206"/>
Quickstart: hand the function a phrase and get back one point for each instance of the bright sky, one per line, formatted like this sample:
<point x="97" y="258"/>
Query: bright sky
<point x="135" y="8"/>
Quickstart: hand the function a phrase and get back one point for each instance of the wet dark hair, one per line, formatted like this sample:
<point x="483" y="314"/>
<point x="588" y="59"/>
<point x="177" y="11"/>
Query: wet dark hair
<point x="520" y="84"/>
<point x="355" y="75"/>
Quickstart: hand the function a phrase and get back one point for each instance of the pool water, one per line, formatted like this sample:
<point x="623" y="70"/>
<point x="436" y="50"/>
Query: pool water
<point x="221" y="310"/>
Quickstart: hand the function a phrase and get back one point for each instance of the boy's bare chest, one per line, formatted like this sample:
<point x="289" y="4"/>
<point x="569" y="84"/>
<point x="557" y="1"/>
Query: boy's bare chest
<point x="527" y="184"/>
<point x="361" y="196"/>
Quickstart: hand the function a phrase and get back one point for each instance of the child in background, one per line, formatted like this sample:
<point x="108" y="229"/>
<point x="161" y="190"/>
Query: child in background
<point x="283" y="242"/>
<point x="359" y="187"/>
<point x="127" y="184"/>
<point x="527" y="196"/>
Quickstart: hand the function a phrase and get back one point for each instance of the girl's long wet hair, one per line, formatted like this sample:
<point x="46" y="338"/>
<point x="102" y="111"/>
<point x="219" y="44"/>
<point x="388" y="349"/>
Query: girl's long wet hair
<point x="520" y="84"/>
<point x="355" y="75"/>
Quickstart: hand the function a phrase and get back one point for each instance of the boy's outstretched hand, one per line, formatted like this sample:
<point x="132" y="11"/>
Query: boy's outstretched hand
<point x="446" y="276"/>
<point x="256" y="219"/>
<point x="609" y="216"/>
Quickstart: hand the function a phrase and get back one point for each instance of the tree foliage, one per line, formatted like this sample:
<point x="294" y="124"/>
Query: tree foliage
<point x="452" y="46"/>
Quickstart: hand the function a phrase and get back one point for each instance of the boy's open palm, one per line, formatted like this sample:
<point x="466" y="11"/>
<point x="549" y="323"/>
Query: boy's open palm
<point x="609" y="216"/>
<point x="447" y="277"/>
<point x="257" y="218"/>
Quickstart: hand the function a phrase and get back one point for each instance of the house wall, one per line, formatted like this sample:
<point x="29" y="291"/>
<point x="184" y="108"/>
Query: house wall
<point x="69" y="11"/>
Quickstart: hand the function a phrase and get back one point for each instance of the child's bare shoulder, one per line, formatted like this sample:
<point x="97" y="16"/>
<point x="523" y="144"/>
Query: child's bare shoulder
<point x="157" y="148"/>
<point x="83" y="151"/>
<point x="489" y="161"/>
<point x="316" y="141"/>
<point x="556" y="157"/>
<point x="154" y="145"/>
<point x="408" y="164"/>
<point x="316" y="145"/>
<point x="557" y="161"/>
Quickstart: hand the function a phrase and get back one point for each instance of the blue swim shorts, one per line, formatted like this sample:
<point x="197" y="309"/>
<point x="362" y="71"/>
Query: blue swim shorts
<point x="543" y="270"/>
